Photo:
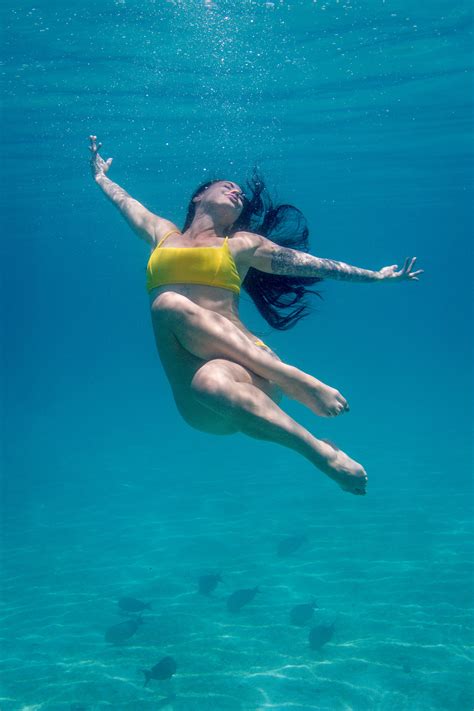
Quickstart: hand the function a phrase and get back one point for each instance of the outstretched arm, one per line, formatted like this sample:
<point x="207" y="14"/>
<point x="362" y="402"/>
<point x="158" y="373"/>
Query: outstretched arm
<point x="146" y="224"/>
<point x="273" y="259"/>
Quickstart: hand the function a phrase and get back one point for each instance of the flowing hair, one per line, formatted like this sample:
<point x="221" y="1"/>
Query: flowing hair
<point x="281" y="299"/>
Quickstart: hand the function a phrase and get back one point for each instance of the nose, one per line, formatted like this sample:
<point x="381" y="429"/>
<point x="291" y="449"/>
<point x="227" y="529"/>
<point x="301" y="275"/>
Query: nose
<point x="237" y="193"/>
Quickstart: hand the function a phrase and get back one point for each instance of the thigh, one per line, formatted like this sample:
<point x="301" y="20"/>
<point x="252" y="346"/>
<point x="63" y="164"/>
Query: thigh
<point x="181" y="366"/>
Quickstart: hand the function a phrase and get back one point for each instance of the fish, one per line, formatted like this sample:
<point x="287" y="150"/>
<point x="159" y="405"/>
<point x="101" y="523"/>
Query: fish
<point x="301" y="614"/>
<point x="122" y="631"/>
<point x="320" y="635"/>
<point x="165" y="669"/>
<point x="208" y="583"/>
<point x="291" y="544"/>
<point x="131" y="604"/>
<point x="239" y="598"/>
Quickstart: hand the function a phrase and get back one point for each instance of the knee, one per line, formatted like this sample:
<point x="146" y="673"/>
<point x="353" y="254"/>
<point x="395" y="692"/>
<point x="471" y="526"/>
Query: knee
<point x="209" y="381"/>
<point x="170" y="303"/>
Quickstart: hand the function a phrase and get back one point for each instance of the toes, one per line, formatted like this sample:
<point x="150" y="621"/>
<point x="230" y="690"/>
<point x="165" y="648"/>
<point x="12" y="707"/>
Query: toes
<point x="357" y="488"/>
<point x="360" y="491"/>
<point x="356" y="492"/>
<point x="342" y="400"/>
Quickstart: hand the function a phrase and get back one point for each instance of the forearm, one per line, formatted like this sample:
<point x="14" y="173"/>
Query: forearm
<point x="114" y="192"/>
<point x="138" y="217"/>
<point x="294" y="263"/>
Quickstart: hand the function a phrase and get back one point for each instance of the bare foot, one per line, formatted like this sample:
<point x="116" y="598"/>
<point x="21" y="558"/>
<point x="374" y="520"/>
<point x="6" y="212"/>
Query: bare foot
<point x="349" y="474"/>
<point x="320" y="398"/>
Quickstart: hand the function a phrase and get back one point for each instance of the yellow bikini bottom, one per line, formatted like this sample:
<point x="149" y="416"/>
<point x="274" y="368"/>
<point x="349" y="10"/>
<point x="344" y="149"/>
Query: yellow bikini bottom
<point x="260" y="344"/>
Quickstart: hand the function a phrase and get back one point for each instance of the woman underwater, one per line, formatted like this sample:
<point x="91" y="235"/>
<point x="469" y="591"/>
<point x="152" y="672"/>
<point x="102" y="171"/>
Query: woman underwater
<point x="224" y="379"/>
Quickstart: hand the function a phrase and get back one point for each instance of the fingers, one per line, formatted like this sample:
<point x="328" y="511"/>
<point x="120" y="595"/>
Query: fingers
<point x="413" y="276"/>
<point x="406" y="271"/>
<point x="409" y="264"/>
<point x="94" y="146"/>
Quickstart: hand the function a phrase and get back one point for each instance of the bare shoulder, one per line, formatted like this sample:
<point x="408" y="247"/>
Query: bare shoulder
<point x="164" y="227"/>
<point x="258" y="252"/>
<point x="243" y="245"/>
<point x="243" y="241"/>
<point x="252" y="249"/>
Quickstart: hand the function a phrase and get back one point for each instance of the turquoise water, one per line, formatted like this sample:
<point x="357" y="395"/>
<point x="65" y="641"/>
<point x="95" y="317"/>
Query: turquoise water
<point x="360" y="114"/>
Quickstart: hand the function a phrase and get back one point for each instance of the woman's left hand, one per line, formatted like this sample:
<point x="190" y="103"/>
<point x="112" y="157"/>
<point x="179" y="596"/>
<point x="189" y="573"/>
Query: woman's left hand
<point x="406" y="273"/>
<point x="99" y="166"/>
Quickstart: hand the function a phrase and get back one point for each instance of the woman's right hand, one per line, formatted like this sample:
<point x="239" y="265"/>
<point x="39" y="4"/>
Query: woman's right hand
<point x="99" y="166"/>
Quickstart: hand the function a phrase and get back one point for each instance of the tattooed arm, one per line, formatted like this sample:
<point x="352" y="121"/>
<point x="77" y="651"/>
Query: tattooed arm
<point x="273" y="259"/>
<point x="146" y="224"/>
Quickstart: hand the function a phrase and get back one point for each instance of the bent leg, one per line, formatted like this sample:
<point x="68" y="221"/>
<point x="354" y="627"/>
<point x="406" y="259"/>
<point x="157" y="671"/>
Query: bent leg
<point x="226" y="389"/>
<point x="208" y="335"/>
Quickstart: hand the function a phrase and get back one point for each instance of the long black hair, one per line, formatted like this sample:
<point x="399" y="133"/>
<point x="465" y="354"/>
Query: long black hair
<point x="282" y="300"/>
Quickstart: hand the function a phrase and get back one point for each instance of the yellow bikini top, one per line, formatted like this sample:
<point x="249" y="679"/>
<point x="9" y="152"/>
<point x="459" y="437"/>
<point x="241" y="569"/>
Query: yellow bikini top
<point x="213" y="266"/>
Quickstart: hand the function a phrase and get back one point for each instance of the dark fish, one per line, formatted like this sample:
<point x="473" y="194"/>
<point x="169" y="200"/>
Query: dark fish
<point x="165" y="669"/>
<point x="301" y="614"/>
<point x="291" y="544"/>
<point x="123" y="631"/>
<point x="131" y="604"/>
<point x="319" y="635"/>
<point x="208" y="583"/>
<point x="239" y="598"/>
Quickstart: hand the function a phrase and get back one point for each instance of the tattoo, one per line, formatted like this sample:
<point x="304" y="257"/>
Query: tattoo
<point x="291" y="262"/>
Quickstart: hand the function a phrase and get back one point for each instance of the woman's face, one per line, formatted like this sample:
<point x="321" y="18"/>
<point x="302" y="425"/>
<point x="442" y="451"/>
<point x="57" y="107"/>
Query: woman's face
<point x="224" y="195"/>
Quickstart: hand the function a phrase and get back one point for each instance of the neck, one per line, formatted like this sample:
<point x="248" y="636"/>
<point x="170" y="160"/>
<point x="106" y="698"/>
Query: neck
<point x="205" y="224"/>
